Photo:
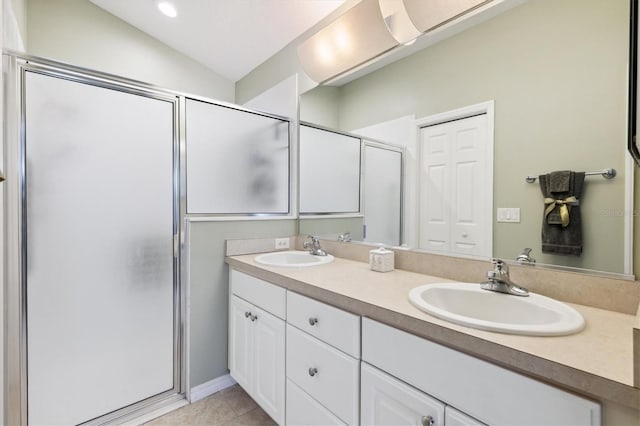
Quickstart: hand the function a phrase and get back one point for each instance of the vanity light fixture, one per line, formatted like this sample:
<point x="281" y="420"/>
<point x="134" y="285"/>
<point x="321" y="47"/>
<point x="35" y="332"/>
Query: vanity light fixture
<point x="357" y="36"/>
<point x="167" y="8"/>
<point x="427" y="15"/>
<point x="372" y="28"/>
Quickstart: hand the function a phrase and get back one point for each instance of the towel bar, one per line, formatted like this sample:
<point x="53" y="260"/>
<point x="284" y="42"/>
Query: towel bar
<point x="606" y="173"/>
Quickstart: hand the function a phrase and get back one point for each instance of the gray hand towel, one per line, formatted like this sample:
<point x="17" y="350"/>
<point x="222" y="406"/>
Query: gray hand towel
<point x="557" y="238"/>
<point x="560" y="181"/>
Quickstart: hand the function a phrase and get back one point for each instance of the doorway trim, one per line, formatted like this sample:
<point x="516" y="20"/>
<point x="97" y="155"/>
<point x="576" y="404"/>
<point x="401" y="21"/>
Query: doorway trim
<point x="488" y="108"/>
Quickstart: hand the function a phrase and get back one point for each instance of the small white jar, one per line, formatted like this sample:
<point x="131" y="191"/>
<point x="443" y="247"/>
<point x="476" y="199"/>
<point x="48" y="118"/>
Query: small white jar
<point x="381" y="260"/>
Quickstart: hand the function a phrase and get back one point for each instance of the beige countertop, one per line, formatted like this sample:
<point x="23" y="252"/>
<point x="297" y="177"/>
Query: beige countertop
<point x="597" y="362"/>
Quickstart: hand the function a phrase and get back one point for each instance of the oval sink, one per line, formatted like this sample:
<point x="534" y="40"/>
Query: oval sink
<point x="292" y="259"/>
<point x="467" y="304"/>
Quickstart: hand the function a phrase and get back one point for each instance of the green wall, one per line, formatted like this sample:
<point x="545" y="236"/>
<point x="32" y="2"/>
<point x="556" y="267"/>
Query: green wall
<point x="209" y="289"/>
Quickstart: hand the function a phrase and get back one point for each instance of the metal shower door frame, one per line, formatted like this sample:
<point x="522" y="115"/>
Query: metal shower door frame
<point x="16" y="66"/>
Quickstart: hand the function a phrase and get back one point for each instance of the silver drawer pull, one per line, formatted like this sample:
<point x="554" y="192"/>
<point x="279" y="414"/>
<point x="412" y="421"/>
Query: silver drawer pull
<point x="313" y="321"/>
<point x="427" y="421"/>
<point x="313" y="371"/>
<point x="247" y="314"/>
<point x="254" y="317"/>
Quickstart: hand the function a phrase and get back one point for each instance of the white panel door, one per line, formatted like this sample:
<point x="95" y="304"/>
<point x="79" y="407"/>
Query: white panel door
<point x="387" y="401"/>
<point x="455" y="210"/>
<point x="268" y="372"/>
<point x="469" y="186"/>
<point x="435" y="183"/>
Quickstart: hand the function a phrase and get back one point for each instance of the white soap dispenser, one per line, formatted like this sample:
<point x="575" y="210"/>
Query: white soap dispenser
<point x="381" y="259"/>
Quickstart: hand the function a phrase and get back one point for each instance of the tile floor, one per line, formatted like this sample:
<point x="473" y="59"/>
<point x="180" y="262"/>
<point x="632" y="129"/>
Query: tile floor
<point x="231" y="406"/>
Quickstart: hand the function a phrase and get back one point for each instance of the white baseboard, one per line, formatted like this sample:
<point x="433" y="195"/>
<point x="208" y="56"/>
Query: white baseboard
<point x="212" y="386"/>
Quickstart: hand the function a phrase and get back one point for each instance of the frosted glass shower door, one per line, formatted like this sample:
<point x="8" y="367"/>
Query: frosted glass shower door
<point x="382" y="195"/>
<point x="99" y="247"/>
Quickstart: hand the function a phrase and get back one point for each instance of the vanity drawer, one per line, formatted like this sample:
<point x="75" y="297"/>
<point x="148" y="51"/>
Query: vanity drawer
<point x="328" y="375"/>
<point x="388" y="401"/>
<point x="304" y="410"/>
<point x="265" y="295"/>
<point x="332" y="325"/>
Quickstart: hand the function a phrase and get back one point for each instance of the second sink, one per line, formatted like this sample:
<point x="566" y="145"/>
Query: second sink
<point x="467" y="304"/>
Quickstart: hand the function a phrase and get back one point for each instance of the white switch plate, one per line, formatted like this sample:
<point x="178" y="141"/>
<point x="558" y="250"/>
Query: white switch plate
<point x="282" y="243"/>
<point x="511" y="215"/>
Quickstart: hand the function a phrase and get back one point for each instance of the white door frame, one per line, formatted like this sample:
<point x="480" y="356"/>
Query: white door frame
<point x="458" y="114"/>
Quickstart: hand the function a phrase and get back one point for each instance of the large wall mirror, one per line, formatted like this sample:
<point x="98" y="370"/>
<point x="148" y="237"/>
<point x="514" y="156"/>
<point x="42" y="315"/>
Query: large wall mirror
<point x="557" y="73"/>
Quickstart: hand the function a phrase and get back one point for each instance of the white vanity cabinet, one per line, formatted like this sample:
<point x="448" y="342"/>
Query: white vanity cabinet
<point x="342" y="369"/>
<point x="257" y="341"/>
<point x="489" y="393"/>
<point x="323" y="351"/>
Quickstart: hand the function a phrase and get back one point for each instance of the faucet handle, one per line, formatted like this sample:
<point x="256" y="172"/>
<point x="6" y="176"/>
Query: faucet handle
<point x="499" y="265"/>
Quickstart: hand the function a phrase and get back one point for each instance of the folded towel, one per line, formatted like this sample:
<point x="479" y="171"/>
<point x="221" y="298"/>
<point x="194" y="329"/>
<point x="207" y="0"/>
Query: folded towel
<point x="560" y="181"/>
<point x="562" y="221"/>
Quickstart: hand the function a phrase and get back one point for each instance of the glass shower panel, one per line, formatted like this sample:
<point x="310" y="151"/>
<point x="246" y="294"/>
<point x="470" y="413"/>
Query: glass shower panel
<point x="329" y="172"/>
<point x="382" y="195"/>
<point x="237" y="161"/>
<point x="100" y="265"/>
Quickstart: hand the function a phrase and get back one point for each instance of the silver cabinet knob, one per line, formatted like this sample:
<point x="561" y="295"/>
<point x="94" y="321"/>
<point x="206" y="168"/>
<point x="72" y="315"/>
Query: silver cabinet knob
<point x="247" y="314"/>
<point x="427" y="421"/>
<point x="313" y="371"/>
<point x="313" y="321"/>
<point x="254" y="317"/>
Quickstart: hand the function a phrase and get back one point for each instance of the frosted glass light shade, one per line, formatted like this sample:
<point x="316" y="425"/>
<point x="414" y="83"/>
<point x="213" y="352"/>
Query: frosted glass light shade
<point x="428" y="14"/>
<point x="397" y="20"/>
<point x="357" y="36"/>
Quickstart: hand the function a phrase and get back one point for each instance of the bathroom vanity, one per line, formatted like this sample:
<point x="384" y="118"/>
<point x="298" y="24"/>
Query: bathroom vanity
<point x="349" y="348"/>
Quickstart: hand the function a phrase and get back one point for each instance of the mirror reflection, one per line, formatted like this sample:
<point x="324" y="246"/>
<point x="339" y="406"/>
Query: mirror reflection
<point x="351" y="182"/>
<point x="556" y="72"/>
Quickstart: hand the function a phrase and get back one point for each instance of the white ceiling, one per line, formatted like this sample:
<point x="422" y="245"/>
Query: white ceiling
<point x="231" y="37"/>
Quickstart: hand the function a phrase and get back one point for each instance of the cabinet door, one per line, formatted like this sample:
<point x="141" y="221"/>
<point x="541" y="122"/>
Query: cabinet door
<point x="240" y="346"/>
<point x="302" y="410"/>
<point x="269" y="374"/>
<point x="388" y="401"/>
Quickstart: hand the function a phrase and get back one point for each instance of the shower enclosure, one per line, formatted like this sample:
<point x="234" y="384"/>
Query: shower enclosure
<point x="93" y="215"/>
<point x="95" y="208"/>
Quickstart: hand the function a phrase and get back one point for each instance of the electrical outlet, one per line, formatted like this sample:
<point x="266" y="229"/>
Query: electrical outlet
<point x="282" y="243"/>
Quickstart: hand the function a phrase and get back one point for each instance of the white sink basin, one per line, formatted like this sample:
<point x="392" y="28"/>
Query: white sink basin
<point x="467" y="304"/>
<point x="292" y="259"/>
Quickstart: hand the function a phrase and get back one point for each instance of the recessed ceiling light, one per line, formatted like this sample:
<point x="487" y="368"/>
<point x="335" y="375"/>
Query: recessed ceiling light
<point x="167" y="8"/>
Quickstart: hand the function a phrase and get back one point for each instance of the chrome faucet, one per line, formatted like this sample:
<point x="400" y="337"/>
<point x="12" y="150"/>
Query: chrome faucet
<point x="498" y="280"/>
<point x="525" y="256"/>
<point x="345" y="237"/>
<point x="313" y="245"/>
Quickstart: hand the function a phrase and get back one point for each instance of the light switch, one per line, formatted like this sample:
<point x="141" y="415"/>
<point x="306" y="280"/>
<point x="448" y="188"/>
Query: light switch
<point x="511" y="215"/>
